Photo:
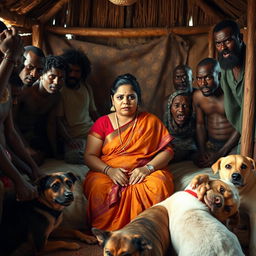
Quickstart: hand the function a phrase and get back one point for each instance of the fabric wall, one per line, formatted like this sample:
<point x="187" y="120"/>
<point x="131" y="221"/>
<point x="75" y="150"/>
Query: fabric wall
<point x="151" y="62"/>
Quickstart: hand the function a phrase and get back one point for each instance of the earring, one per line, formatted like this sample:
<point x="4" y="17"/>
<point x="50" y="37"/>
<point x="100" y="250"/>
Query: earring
<point x="112" y="109"/>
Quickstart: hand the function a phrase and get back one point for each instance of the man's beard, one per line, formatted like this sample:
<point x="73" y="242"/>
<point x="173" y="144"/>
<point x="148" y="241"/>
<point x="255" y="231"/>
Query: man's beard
<point x="233" y="60"/>
<point x="72" y="82"/>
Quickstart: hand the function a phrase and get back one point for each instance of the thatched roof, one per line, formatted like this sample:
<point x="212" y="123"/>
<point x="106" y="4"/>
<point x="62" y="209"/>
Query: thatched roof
<point x="104" y="14"/>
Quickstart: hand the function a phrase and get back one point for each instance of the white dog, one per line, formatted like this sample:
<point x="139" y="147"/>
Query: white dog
<point x="193" y="229"/>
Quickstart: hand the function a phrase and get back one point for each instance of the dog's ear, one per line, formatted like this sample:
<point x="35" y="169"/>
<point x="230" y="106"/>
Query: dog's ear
<point x="72" y="176"/>
<point x="41" y="183"/>
<point x="234" y="220"/>
<point x="141" y="243"/>
<point x="252" y="161"/>
<point x="101" y="235"/>
<point x="216" y="166"/>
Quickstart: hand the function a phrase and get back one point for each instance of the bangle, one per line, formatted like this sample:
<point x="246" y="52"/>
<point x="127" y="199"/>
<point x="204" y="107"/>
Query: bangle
<point x="105" y="170"/>
<point x="10" y="60"/>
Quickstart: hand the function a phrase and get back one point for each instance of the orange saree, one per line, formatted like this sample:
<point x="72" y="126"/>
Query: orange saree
<point x="110" y="206"/>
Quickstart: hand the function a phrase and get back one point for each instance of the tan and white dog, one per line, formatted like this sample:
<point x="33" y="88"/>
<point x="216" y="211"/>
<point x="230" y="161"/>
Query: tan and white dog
<point x="193" y="228"/>
<point x="240" y="170"/>
<point x="147" y="235"/>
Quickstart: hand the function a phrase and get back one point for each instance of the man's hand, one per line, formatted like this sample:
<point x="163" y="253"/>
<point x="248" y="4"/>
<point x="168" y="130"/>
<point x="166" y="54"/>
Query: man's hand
<point x="11" y="45"/>
<point x="201" y="182"/>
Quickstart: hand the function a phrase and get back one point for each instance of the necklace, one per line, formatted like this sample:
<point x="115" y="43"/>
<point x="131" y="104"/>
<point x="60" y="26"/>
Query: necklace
<point x="5" y="96"/>
<point x="124" y="146"/>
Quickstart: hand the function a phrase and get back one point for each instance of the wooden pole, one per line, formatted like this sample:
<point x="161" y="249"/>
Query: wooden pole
<point x="126" y="32"/>
<point x="249" y="83"/>
<point x="211" y="45"/>
<point x="37" y="36"/>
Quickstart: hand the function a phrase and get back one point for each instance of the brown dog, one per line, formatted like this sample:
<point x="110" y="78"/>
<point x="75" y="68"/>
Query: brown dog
<point x="147" y="234"/>
<point x="26" y="226"/>
<point x="240" y="170"/>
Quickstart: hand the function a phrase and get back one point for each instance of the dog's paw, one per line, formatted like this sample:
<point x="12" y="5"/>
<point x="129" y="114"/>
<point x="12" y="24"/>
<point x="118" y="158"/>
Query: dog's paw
<point x="73" y="246"/>
<point x="89" y="239"/>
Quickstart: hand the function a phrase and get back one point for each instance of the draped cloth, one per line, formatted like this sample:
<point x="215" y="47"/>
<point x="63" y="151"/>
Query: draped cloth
<point x="111" y="206"/>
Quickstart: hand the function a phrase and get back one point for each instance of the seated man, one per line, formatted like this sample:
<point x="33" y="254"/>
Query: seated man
<point x="182" y="81"/>
<point x="33" y="63"/>
<point x="216" y="137"/>
<point x="77" y="109"/>
<point x="35" y="116"/>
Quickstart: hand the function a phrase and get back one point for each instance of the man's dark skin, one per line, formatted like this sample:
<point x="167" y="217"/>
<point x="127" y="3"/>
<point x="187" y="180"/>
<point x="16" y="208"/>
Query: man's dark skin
<point x="182" y="81"/>
<point x="211" y="120"/>
<point x="12" y="47"/>
<point x="229" y="46"/>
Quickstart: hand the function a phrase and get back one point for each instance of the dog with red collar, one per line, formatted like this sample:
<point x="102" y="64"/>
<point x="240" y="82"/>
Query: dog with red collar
<point x="195" y="226"/>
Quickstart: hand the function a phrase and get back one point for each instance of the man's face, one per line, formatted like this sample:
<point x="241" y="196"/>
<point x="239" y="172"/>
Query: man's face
<point x="207" y="79"/>
<point x="180" y="109"/>
<point x="228" y="47"/>
<point x="32" y="70"/>
<point x="53" y="80"/>
<point x="182" y="80"/>
<point x="74" y="76"/>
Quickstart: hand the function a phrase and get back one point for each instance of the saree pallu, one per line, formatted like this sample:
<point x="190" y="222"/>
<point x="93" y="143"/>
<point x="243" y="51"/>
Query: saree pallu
<point x="110" y="206"/>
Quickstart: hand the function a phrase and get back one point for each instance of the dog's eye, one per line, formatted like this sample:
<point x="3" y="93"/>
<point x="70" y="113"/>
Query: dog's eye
<point x="108" y="253"/>
<point x="69" y="183"/>
<point x="228" y="166"/>
<point x="222" y="190"/>
<point x="243" y="166"/>
<point x="227" y="208"/>
<point x="55" y="187"/>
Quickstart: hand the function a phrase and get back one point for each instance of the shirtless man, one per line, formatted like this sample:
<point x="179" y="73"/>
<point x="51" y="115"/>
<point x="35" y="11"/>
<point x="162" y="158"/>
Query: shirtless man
<point x="216" y="137"/>
<point x="182" y="81"/>
<point x="33" y="63"/>
<point x="11" y="47"/>
<point x="35" y="116"/>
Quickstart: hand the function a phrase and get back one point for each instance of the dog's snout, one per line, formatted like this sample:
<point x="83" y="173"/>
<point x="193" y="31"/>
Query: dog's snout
<point x="69" y="195"/>
<point x="236" y="176"/>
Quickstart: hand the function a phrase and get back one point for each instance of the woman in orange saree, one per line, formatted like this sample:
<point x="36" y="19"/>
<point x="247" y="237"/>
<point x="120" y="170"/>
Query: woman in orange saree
<point x="128" y="154"/>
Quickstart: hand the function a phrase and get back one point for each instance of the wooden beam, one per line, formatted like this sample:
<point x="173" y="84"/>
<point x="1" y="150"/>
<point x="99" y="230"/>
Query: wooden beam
<point x="126" y="32"/>
<point x="50" y="13"/>
<point x="16" y="20"/>
<point x="249" y="83"/>
<point x="29" y="5"/>
<point x="37" y="36"/>
<point x="209" y="11"/>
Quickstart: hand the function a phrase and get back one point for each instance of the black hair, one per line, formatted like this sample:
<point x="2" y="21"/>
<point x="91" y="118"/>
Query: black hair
<point x="34" y="49"/>
<point x="215" y="63"/>
<point x="79" y="58"/>
<point x="227" y="24"/>
<point x="54" y="62"/>
<point x="183" y="66"/>
<point x="2" y="27"/>
<point x="126" y="79"/>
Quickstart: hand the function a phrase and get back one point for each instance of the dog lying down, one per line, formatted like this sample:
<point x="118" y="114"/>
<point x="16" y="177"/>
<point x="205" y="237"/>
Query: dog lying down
<point x="26" y="226"/>
<point x="147" y="234"/>
<point x="195" y="228"/>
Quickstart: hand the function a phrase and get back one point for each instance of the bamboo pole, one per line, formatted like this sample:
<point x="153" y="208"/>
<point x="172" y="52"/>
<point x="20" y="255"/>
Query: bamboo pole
<point x="135" y="32"/>
<point x="249" y="83"/>
<point x="37" y="36"/>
